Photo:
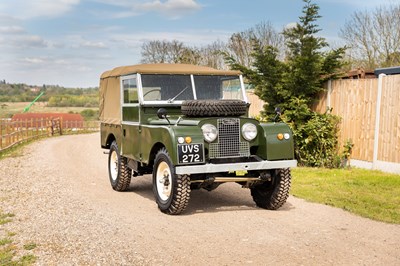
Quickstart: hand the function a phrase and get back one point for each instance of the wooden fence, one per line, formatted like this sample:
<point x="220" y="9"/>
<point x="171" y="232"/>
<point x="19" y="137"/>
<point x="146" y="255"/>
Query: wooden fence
<point x="15" y="132"/>
<point x="256" y="104"/>
<point x="376" y="139"/>
<point x="370" y="112"/>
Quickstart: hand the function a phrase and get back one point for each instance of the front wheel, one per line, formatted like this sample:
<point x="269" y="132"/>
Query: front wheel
<point x="171" y="191"/>
<point x="273" y="194"/>
<point x="119" y="172"/>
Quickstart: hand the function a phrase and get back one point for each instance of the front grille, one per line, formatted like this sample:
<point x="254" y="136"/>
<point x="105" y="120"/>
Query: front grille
<point x="228" y="142"/>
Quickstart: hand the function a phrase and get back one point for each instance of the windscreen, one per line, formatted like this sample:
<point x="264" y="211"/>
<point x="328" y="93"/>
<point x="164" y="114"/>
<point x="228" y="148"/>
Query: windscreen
<point x="172" y="88"/>
<point x="218" y="87"/>
<point x="167" y="87"/>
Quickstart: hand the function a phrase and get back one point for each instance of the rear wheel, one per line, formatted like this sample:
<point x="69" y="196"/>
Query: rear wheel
<point x="171" y="191"/>
<point x="273" y="194"/>
<point x="119" y="172"/>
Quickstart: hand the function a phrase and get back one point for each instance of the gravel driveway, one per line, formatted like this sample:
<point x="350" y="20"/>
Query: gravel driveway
<point x="63" y="202"/>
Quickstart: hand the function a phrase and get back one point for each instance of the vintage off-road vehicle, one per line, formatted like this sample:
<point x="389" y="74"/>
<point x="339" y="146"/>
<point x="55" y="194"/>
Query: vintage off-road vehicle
<point x="188" y="126"/>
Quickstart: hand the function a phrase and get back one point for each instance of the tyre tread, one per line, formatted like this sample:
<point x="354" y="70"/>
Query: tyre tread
<point x="125" y="173"/>
<point x="181" y="190"/>
<point x="273" y="199"/>
<point x="201" y="108"/>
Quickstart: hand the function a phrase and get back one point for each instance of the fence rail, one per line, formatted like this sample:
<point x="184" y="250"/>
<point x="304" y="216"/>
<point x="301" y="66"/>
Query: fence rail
<point x="370" y="113"/>
<point x="15" y="132"/>
<point x="370" y="118"/>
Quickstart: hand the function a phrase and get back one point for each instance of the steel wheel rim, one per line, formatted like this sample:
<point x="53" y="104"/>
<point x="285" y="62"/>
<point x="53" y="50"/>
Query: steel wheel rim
<point x="164" y="181"/>
<point x="113" y="165"/>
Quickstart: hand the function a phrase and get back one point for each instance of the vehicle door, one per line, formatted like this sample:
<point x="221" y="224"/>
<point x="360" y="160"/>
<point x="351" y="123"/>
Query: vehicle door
<point x="130" y="117"/>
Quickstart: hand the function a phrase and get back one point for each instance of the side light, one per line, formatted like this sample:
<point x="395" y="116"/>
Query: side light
<point x="181" y="140"/>
<point x="286" y="136"/>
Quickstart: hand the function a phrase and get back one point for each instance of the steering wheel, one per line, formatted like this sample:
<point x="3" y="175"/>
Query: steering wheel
<point x="150" y="91"/>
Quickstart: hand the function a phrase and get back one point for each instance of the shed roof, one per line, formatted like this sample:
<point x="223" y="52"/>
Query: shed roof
<point x="166" y="69"/>
<point x="387" y="71"/>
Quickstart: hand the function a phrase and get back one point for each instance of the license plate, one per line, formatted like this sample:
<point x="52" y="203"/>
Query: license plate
<point x="190" y="153"/>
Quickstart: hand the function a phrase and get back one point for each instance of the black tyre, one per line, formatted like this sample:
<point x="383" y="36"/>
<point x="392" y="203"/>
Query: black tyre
<point x="201" y="108"/>
<point x="272" y="195"/>
<point x="119" y="172"/>
<point x="171" y="191"/>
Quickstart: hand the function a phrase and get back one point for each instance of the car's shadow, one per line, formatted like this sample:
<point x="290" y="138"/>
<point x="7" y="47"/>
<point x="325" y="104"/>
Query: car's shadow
<point x="227" y="197"/>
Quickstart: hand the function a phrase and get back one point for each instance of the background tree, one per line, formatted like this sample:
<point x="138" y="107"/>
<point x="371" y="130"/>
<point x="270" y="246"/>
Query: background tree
<point x="240" y="45"/>
<point x="294" y="83"/>
<point x="157" y="51"/>
<point x="373" y="37"/>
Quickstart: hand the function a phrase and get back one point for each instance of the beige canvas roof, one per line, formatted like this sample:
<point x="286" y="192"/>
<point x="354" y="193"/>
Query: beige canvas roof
<point x="166" y="69"/>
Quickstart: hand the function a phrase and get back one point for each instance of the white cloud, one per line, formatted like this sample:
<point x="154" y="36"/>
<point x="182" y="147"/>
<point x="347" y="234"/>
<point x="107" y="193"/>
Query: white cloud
<point x="362" y="4"/>
<point x="30" y="41"/>
<point x="192" y="38"/>
<point x="90" y="44"/>
<point x="33" y="60"/>
<point x="291" y="25"/>
<point x="11" y="29"/>
<point x="23" y="9"/>
<point x="23" y="42"/>
<point x="173" y="9"/>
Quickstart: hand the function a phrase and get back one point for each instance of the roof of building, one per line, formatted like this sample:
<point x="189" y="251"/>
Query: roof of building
<point x="387" y="71"/>
<point x="166" y="69"/>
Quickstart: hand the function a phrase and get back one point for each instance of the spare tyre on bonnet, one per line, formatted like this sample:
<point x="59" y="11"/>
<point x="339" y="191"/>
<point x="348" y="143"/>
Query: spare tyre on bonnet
<point x="188" y="127"/>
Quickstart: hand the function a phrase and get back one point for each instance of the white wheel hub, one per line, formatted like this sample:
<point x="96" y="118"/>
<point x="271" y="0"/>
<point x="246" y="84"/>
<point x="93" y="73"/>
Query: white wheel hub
<point x="114" y="165"/>
<point x="164" y="181"/>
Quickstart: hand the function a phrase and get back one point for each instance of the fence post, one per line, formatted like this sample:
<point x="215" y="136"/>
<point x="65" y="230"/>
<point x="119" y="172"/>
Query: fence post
<point x="61" y="125"/>
<point x="41" y="127"/>
<point x="328" y="98"/>
<point x="377" y="120"/>
<point x="1" y="134"/>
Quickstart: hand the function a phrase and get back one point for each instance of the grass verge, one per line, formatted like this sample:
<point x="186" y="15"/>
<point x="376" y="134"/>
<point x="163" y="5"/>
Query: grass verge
<point x="16" y="150"/>
<point x="8" y="250"/>
<point x="371" y="194"/>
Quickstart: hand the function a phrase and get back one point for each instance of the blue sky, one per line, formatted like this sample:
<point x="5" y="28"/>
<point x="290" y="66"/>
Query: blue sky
<point x="71" y="42"/>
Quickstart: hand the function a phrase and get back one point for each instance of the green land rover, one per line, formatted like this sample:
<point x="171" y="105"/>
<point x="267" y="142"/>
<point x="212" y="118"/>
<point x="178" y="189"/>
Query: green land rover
<point x="188" y="126"/>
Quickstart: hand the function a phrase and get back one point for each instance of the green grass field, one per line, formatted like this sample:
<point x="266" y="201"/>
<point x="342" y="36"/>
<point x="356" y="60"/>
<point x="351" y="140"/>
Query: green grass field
<point x="371" y="194"/>
<point x="7" y="109"/>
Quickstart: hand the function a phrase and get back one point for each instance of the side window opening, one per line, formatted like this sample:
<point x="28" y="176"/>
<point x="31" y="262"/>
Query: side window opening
<point x="130" y="91"/>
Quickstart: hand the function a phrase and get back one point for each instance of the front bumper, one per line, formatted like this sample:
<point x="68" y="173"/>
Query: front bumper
<point x="226" y="167"/>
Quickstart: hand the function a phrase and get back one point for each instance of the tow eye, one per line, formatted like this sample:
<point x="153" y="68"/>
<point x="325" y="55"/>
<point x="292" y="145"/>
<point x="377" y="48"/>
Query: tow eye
<point x="265" y="176"/>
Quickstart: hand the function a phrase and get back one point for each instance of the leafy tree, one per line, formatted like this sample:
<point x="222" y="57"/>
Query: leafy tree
<point x="294" y="83"/>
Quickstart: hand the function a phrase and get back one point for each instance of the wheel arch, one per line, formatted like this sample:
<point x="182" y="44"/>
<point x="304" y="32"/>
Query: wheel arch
<point x="109" y="140"/>
<point x="153" y="152"/>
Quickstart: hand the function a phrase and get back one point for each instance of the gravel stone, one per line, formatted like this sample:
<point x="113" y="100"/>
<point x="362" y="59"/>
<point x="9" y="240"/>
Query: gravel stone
<point x="63" y="202"/>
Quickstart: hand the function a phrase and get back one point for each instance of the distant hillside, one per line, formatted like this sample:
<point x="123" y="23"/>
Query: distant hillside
<point x="53" y="94"/>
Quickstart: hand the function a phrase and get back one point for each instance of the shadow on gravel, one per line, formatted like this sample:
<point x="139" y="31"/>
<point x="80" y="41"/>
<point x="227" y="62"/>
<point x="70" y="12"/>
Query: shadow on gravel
<point x="227" y="197"/>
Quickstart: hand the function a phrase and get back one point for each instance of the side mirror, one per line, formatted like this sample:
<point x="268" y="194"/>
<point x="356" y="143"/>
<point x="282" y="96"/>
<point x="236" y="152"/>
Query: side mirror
<point x="278" y="113"/>
<point x="162" y="113"/>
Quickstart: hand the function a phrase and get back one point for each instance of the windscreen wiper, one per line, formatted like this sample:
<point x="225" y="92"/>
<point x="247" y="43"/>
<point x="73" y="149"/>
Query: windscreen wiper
<point x="170" y="100"/>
